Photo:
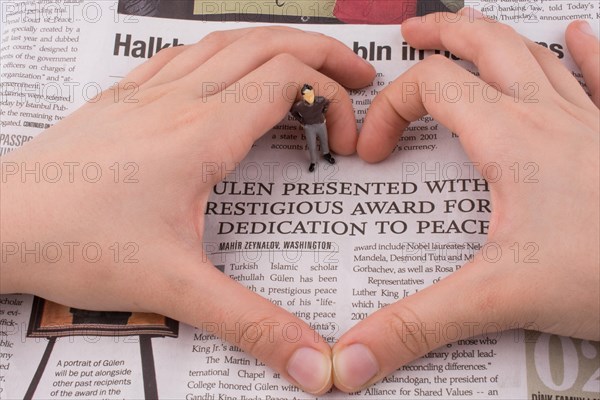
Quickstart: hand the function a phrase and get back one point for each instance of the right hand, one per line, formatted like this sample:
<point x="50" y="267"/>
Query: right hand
<point x="547" y="228"/>
<point x="174" y="129"/>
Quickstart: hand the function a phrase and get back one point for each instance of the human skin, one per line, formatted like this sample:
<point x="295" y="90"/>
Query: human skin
<point x="171" y="133"/>
<point x="553" y="218"/>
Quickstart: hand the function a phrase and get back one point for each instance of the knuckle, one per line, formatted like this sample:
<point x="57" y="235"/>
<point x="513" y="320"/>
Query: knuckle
<point x="283" y="28"/>
<point x="261" y="35"/>
<point x="153" y="94"/>
<point x="539" y="50"/>
<point x="215" y="38"/>
<point x="320" y="35"/>
<point x="479" y="35"/>
<point x="490" y="298"/>
<point x="170" y="52"/>
<point x="531" y="115"/>
<point x="436" y="61"/>
<point x="542" y="53"/>
<point x="386" y="104"/>
<point x="189" y="115"/>
<point x="384" y="100"/>
<point x="284" y="61"/>
<point x="507" y="31"/>
<point x="484" y="298"/>
<point x="255" y="337"/>
<point x="404" y="326"/>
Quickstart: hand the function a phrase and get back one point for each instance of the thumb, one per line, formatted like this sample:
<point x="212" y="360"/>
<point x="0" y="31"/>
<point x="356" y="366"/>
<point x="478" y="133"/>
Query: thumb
<point x="467" y="303"/>
<point x="585" y="49"/>
<point x="216" y="304"/>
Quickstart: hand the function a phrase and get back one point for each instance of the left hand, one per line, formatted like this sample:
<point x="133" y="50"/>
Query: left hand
<point x="139" y="209"/>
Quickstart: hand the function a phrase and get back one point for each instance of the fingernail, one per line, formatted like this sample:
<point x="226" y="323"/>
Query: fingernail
<point x="354" y="366"/>
<point x="311" y="369"/>
<point x="585" y="27"/>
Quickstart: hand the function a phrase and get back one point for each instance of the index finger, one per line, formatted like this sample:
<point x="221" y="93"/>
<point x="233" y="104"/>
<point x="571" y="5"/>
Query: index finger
<point x="470" y="39"/>
<point x="436" y="86"/>
<point x="244" y="111"/>
<point x="258" y="46"/>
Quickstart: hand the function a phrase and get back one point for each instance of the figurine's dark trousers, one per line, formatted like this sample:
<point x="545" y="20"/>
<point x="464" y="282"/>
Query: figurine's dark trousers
<point x="311" y="132"/>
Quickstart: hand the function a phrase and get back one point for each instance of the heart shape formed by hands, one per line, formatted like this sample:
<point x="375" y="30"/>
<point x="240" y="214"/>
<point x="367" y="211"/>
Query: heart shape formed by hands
<point x="184" y="132"/>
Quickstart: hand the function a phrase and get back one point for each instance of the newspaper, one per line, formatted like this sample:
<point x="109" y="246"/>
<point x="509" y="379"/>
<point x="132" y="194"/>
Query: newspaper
<point x="331" y="246"/>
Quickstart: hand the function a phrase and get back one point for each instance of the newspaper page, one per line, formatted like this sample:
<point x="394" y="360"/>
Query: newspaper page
<point x="331" y="246"/>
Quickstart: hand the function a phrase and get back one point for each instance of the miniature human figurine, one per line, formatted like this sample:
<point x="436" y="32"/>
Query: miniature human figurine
<point x="310" y="111"/>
